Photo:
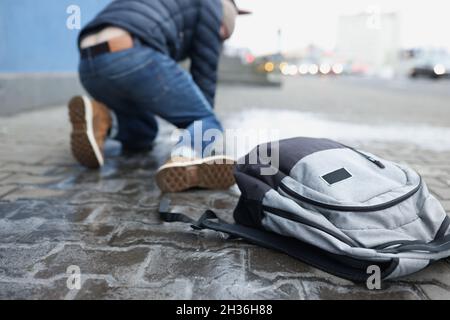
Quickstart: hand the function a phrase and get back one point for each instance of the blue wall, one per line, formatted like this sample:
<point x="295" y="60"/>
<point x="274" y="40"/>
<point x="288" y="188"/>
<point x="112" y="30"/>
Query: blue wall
<point x="34" y="36"/>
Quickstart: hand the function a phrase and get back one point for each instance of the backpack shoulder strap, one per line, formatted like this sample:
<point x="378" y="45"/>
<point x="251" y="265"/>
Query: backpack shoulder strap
<point x="168" y="216"/>
<point x="344" y="267"/>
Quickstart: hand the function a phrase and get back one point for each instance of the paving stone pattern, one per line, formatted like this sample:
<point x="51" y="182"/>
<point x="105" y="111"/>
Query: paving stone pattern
<point x="54" y="214"/>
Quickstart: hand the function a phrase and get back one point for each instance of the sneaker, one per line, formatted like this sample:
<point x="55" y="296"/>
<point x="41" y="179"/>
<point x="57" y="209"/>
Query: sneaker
<point x="91" y="122"/>
<point x="180" y="174"/>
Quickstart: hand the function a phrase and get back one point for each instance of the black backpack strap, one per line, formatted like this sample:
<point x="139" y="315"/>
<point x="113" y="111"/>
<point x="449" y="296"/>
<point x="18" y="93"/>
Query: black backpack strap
<point x="344" y="267"/>
<point x="206" y="221"/>
<point x="168" y="216"/>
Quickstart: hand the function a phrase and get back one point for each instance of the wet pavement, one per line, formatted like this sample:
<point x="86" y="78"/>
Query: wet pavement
<point x="55" y="214"/>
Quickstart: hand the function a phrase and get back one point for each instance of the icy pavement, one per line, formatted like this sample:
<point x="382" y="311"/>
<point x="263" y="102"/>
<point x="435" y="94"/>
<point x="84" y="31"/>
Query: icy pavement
<point x="288" y="123"/>
<point x="55" y="214"/>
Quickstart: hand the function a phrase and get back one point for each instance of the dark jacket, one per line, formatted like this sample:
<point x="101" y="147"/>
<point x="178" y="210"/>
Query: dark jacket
<point x="179" y="28"/>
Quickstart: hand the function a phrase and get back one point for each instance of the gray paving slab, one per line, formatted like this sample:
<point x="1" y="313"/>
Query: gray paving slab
<point x="55" y="214"/>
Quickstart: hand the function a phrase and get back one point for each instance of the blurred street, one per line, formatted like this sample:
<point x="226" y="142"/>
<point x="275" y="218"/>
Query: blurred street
<point x="54" y="213"/>
<point x="351" y="99"/>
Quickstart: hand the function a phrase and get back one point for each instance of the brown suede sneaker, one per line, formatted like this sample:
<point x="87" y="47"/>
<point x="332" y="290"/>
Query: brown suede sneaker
<point x="180" y="174"/>
<point x="91" y="122"/>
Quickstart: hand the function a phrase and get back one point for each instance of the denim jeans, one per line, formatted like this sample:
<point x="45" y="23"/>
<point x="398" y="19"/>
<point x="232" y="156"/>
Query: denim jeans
<point x="141" y="83"/>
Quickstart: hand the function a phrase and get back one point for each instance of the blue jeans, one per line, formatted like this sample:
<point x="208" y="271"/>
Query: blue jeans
<point x="141" y="83"/>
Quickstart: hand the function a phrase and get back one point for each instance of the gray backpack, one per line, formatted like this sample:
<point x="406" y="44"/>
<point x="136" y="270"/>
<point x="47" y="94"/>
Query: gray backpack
<point x="336" y="208"/>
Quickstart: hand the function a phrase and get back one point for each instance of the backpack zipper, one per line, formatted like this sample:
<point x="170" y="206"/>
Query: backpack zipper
<point x="378" y="163"/>
<point x="377" y="207"/>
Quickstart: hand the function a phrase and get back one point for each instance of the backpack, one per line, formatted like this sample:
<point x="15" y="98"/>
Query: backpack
<point x="334" y="207"/>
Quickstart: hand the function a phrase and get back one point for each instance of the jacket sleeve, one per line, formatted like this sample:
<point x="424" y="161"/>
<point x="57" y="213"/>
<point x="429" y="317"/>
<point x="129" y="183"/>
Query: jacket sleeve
<point x="206" y="49"/>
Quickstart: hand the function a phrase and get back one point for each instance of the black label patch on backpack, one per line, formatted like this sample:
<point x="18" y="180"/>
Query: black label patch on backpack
<point x="337" y="176"/>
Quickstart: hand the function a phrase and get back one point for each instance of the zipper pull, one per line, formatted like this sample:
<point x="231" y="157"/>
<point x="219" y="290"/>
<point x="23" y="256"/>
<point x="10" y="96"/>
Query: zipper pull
<point x="376" y="162"/>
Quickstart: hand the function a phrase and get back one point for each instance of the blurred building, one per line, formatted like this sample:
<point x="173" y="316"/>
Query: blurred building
<point x="371" y="40"/>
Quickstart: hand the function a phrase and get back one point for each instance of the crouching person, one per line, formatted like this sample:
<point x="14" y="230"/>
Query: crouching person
<point x="129" y="56"/>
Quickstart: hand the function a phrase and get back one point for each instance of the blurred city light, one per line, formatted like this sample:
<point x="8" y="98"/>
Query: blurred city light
<point x="338" y="68"/>
<point x="303" y="69"/>
<point x="249" y="58"/>
<point x="269" y="67"/>
<point x="284" y="69"/>
<point x="325" y="68"/>
<point x="283" y="65"/>
<point x="313" y="69"/>
<point x="292" y="70"/>
<point x="439" y="69"/>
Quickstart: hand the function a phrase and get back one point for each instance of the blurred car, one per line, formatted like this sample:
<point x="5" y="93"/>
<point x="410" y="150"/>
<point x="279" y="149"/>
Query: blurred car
<point x="432" y="69"/>
<point x="432" y="65"/>
<point x="270" y="67"/>
<point x="246" y="69"/>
